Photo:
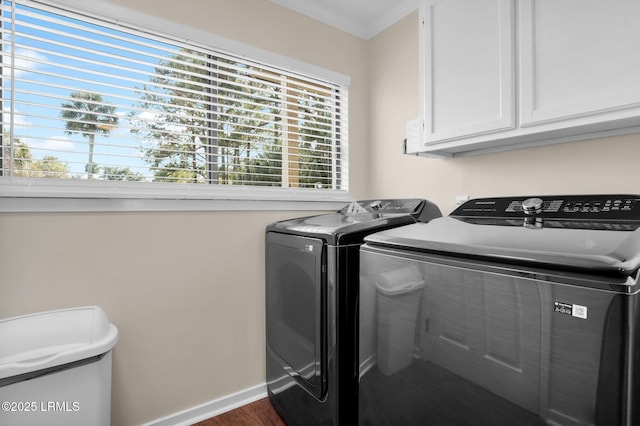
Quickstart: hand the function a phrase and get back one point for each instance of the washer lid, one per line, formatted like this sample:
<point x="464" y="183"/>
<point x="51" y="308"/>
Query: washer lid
<point x="560" y="236"/>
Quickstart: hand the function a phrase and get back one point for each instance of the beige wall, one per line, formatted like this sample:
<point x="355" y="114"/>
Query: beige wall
<point x="186" y="289"/>
<point x="598" y="166"/>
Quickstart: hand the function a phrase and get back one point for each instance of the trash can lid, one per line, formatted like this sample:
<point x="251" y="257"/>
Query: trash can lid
<point x="48" y="339"/>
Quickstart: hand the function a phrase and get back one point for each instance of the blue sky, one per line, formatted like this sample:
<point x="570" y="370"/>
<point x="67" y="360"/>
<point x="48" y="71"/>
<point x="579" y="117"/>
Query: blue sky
<point x="53" y="62"/>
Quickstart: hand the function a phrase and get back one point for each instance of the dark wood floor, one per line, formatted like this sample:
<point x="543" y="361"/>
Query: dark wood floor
<point x="259" y="413"/>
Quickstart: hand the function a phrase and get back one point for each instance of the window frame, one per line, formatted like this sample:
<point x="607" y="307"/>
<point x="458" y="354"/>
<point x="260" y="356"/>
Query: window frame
<point x="41" y="194"/>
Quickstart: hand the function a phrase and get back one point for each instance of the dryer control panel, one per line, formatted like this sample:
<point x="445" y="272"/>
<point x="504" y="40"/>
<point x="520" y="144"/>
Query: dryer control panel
<point x="420" y="209"/>
<point x="402" y="205"/>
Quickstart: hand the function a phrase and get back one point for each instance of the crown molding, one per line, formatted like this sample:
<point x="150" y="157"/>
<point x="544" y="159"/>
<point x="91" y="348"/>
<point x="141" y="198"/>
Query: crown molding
<point x="357" y="27"/>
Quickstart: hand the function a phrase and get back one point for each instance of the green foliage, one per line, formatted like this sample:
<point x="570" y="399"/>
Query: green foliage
<point x="204" y="123"/>
<point x="49" y="167"/>
<point x="88" y="115"/>
<point x="177" y="140"/>
<point x="209" y="125"/>
<point x="266" y="170"/>
<point x="25" y="166"/>
<point x="316" y="151"/>
<point x="19" y="159"/>
<point x="121" y="174"/>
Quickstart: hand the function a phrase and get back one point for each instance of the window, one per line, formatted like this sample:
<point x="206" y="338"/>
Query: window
<point x="88" y="103"/>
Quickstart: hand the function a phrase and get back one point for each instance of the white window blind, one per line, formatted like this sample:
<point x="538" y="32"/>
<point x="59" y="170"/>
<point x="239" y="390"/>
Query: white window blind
<point x="86" y="100"/>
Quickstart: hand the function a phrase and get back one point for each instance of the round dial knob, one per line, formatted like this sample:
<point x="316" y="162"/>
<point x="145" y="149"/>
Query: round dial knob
<point x="532" y="205"/>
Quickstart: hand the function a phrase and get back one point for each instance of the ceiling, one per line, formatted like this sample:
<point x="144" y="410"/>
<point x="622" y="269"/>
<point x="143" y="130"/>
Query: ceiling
<point x="363" y="18"/>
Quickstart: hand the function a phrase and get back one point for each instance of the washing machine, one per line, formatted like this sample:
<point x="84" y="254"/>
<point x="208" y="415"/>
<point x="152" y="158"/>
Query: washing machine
<point x="509" y="311"/>
<point x="312" y="283"/>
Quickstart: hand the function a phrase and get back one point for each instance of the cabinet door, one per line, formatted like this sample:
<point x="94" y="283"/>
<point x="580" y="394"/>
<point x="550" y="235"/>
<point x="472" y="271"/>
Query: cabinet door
<point x="469" y="67"/>
<point x="578" y="58"/>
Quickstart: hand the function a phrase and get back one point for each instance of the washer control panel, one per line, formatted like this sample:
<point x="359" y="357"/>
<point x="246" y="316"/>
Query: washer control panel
<point x="577" y="207"/>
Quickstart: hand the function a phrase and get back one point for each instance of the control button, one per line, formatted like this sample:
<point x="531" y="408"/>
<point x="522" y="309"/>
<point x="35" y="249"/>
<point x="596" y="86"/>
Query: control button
<point x="532" y="205"/>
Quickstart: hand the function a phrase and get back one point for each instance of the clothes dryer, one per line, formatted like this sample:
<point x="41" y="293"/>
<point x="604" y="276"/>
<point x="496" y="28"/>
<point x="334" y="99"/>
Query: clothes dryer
<point x="312" y="282"/>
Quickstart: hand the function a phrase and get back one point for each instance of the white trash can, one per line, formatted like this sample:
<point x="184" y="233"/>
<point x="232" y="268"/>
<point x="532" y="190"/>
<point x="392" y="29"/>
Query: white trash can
<point x="55" y="368"/>
<point x="399" y="296"/>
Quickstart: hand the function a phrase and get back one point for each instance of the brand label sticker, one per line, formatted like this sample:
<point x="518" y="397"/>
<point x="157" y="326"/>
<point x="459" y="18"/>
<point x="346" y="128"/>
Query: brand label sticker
<point x="574" y="310"/>
<point x="580" y="311"/>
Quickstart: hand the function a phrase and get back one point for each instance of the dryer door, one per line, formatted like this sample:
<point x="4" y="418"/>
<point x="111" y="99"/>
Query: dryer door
<point x="295" y="308"/>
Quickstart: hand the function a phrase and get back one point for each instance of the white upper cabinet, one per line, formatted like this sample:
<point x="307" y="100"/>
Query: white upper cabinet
<point x="503" y="74"/>
<point x="469" y="51"/>
<point x="578" y="57"/>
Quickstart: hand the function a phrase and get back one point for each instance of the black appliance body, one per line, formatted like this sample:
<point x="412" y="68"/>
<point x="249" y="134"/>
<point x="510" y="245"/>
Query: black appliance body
<point x="312" y="281"/>
<point x="510" y="311"/>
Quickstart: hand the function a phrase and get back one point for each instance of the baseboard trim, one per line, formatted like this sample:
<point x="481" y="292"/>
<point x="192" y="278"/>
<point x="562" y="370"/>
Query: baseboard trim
<point x="212" y="408"/>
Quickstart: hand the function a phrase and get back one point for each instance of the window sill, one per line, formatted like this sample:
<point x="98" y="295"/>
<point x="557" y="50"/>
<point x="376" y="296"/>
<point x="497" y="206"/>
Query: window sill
<point x="40" y="205"/>
<point x="22" y="195"/>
